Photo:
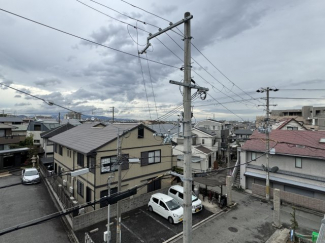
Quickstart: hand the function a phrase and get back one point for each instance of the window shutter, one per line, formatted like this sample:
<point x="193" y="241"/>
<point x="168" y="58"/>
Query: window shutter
<point x="125" y="162"/>
<point x="144" y="158"/>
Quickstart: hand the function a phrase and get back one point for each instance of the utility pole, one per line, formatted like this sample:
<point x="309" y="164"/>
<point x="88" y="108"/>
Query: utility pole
<point x="108" y="239"/>
<point x="187" y="224"/>
<point x="118" y="205"/>
<point x="59" y="118"/>
<point x="113" y="113"/>
<point x="267" y="132"/>
<point x="187" y="221"/>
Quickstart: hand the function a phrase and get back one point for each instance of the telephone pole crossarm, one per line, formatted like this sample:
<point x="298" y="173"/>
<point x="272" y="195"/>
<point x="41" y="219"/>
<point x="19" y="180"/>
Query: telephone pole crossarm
<point x="199" y="88"/>
<point x="163" y="31"/>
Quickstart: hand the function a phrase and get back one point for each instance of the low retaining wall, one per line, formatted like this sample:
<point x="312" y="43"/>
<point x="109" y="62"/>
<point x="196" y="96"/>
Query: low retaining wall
<point x="90" y="218"/>
<point x="295" y="199"/>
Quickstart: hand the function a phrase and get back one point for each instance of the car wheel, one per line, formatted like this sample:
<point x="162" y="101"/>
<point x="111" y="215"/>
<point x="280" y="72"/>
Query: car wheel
<point x="170" y="219"/>
<point x="150" y="209"/>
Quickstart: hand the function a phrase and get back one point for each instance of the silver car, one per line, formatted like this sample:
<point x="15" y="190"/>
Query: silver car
<point x="30" y="176"/>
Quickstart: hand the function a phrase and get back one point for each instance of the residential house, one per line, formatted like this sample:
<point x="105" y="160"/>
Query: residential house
<point x="289" y="124"/>
<point x="10" y="157"/>
<point x="94" y="145"/>
<point x="47" y="145"/>
<point x="241" y="135"/>
<point x="297" y="158"/>
<point x="11" y="120"/>
<point x="35" y="128"/>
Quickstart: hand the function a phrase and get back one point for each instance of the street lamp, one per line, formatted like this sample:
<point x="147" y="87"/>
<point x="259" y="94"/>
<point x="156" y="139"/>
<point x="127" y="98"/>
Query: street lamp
<point x="267" y="90"/>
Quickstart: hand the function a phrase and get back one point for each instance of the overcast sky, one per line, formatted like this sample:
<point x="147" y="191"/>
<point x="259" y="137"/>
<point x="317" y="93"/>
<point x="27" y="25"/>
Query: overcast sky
<point x="277" y="44"/>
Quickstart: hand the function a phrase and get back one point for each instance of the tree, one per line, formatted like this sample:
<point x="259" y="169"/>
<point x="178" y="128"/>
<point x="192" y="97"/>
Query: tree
<point x="294" y="223"/>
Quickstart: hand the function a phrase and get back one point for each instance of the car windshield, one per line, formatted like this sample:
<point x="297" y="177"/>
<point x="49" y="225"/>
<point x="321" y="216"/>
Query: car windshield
<point x="172" y="205"/>
<point x="194" y="197"/>
<point x="31" y="172"/>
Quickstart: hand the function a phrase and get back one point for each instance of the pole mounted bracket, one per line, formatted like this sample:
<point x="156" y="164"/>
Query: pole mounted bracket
<point x="192" y="86"/>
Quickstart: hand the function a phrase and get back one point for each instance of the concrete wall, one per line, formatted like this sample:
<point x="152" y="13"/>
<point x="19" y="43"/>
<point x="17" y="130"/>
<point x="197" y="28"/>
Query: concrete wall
<point x="296" y="199"/>
<point x="99" y="215"/>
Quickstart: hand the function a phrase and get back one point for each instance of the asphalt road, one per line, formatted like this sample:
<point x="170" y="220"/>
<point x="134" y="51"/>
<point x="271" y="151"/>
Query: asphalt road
<point x="140" y="225"/>
<point x="250" y="222"/>
<point x="23" y="203"/>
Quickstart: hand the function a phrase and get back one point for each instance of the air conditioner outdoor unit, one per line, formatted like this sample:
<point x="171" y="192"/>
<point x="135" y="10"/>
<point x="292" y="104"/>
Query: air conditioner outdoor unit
<point x="64" y="182"/>
<point x="71" y="189"/>
<point x="81" y="211"/>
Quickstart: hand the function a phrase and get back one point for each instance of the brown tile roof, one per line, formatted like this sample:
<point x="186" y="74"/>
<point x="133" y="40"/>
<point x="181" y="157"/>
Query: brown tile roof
<point x="297" y="143"/>
<point x="203" y="149"/>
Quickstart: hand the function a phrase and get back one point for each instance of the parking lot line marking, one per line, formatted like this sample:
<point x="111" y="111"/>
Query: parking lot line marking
<point x="132" y="232"/>
<point x="157" y="221"/>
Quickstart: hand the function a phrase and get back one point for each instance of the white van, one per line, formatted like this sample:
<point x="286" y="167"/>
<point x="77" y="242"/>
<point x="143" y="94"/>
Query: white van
<point x="177" y="193"/>
<point x="167" y="207"/>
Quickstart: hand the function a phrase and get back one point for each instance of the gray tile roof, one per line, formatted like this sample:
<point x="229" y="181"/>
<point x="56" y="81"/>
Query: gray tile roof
<point x="56" y="131"/>
<point x="11" y="119"/>
<point x="243" y="132"/>
<point x="5" y="126"/>
<point x="202" y="129"/>
<point x="204" y="149"/>
<point x="87" y="137"/>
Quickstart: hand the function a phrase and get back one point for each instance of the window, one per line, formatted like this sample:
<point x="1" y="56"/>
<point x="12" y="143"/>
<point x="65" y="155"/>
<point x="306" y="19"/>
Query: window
<point x="60" y="171"/>
<point x="202" y="141"/>
<point x="140" y="132"/>
<point x="55" y="168"/>
<point x="60" y="150"/>
<point x="173" y="191"/>
<point x="292" y="128"/>
<point x="150" y="157"/>
<point x="55" y="148"/>
<point x="180" y="195"/>
<point x="298" y="163"/>
<point x="37" y="127"/>
<point x="36" y="141"/>
<point x="155" y="200"/>
<point x="206" y="127"/>
<point x="49" y="143"/>
<point x="80" y="159"/>
<point x="163" y="205"/>
<point x="69" y="153"/>
<point x="108" y="164"/>
<point x="80" y="188"/>
<point x="91" y="164"/>
<point x="253" y="156"/>
<point x="154" y="185"/>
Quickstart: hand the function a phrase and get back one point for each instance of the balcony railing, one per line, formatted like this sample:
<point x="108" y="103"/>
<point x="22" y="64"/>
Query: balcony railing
<point x="12" y="139"/>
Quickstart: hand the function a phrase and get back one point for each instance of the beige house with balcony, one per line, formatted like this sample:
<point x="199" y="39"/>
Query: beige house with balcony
<point x="94" y="145"/>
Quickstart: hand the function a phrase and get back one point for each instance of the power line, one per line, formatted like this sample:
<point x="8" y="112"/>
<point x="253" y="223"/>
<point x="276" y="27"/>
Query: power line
<point x="288" y="98"/>
<point x="81" y="38"/>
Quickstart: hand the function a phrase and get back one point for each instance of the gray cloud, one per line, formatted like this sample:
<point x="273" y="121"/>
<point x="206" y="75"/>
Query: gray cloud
<point x="22" y="104"/>
<point x="48" y="82"/>
<point x="17" y="96"/>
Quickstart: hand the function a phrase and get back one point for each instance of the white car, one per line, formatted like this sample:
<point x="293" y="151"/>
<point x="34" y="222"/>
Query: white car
<point x="30" y="176"/>
<point x="177" y="192"/>
<point x="167" y="207"/>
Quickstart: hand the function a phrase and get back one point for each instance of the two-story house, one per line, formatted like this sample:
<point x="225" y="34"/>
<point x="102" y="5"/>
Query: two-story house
<point x="9" y="156"/>
<point x="94" y="145"/>
<point x="297" y="158"/>
<point x="290" y="124"/>
<point x="35" y="128"/>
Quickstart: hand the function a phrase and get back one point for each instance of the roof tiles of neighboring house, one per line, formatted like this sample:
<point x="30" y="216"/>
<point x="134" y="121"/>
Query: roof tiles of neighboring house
<point x="88" y="137"/>
<point x="5" y="126"/>
<point x="209" y="132"/>
<point x="287" y="121"/>
<point x="46" y="125"/>
<point x="204" y="149"/>
<point x="74" y="122"/>
<point x="56" y="131"/>
<point x="17" y="128"/>
<point x="10" y="119"/>
<point x="243" y="132"/>
<point x="297" y="143"/>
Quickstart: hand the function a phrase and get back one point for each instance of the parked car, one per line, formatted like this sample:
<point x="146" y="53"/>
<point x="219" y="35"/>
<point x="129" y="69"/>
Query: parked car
<point x="30" y="176"/>
<point x="177" y="192"/>
<point x="167" y="207"/>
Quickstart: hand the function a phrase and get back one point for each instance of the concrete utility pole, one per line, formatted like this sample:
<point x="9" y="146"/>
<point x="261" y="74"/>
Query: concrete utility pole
<point x="108" y="239"/>
<point x="267" y="187"/>
<point x="113" y="113"/>
<point x="187" y="224"/>
<point x="118" y="205"/>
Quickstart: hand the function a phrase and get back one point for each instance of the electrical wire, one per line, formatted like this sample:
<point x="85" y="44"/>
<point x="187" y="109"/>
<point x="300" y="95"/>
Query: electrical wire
<point x="84" y="39"/>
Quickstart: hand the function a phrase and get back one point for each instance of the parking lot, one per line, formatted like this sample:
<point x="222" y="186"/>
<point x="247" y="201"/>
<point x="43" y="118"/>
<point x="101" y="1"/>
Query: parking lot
<point x="140" y="225"/>
<point x="23" y="203"/>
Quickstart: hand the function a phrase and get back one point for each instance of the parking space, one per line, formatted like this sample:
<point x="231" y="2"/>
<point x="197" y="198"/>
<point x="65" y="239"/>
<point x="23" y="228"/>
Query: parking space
<point x="140" y="225"/>
<point x="24" y="203"/>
